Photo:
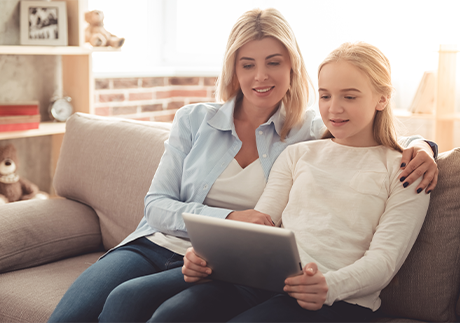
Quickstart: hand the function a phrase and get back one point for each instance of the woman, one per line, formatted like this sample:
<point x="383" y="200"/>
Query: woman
<point x="216" y="163"/>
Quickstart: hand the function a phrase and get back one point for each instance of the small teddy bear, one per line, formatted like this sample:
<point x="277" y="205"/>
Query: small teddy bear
<point x="12" y="187"/>
<point x="95" y="33"/>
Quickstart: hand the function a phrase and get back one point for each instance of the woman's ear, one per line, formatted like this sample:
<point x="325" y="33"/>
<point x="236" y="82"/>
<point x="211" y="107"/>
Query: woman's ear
<point x="383" y="102"/>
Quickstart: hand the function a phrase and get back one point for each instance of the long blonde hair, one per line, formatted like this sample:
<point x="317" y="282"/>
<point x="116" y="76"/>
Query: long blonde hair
<point x="376" y="66"/>
<point x="257" y="24"/>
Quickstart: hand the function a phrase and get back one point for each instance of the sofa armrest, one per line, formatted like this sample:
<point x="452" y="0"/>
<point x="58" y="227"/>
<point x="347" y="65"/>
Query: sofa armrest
<point x="35" y="232"/>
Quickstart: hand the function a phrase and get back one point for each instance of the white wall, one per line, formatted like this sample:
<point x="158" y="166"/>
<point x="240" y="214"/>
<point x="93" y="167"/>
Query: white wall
<point x="189" y="36"/>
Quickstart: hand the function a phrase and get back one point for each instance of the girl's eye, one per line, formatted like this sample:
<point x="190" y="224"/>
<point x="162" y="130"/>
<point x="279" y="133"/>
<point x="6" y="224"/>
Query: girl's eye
<point x="274" y="63"/>
<point x="350" y="97"/>
<point x="325" y="97"/>
<point x="247" y="66"/>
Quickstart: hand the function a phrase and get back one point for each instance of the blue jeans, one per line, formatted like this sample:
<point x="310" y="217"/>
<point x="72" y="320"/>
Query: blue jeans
<point x="222" y="302"/>
<point x="118" y="284"/>
<point x="283" y="308"/>
<point x="213" y="301"/>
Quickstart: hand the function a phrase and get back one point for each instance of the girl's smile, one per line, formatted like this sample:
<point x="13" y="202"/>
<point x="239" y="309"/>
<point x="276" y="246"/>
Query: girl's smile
<point x="338" y="122"/>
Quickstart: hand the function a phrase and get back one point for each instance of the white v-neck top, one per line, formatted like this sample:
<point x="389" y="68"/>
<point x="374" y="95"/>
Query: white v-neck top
<point x="236" y="188"/>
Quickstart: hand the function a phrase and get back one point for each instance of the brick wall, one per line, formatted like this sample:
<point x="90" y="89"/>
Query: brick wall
<point x="150" y="98"/>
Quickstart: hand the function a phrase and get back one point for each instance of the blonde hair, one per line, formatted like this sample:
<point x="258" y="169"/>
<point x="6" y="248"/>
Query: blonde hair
<point x="257" y="24"/>
<point x="376" y="66"/>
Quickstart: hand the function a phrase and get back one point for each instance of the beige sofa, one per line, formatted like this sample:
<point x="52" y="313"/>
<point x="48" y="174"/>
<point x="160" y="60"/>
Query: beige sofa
<point x="104" y="171"/>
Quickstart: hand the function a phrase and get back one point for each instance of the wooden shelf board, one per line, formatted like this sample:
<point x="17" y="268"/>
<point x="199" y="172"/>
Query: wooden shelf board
<point x="46" y="128"/>
<point x="44" y="50"/>
<point x="406" y="114"/>
<point x="53" y="50"/>
<point x="455" y="117"/>
<point x="101" y="49"/>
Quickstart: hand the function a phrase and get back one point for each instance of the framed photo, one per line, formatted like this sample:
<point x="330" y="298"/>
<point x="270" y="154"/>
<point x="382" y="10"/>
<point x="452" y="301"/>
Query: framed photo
<point x="43" y="23"/>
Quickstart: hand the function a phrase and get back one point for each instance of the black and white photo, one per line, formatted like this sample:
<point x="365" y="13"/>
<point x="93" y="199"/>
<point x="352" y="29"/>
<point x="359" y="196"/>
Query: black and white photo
<point x="43" y="23"/>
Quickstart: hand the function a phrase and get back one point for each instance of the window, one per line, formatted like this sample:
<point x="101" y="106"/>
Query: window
<point x="188" y="37"/>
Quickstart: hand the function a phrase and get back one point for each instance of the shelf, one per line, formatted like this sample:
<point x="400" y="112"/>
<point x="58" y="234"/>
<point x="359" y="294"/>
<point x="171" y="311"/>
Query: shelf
<point x="53" y="50"/>
<point x="44" y="50"/>
<point x="406" y="114"/>
<point x="46" y="128"/>
<point x="455" y="117"/>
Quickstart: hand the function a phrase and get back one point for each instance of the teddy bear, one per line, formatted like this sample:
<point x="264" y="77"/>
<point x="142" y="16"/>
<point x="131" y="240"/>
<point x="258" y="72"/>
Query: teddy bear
<point x="12" y="187"/>
<point x="95" y="33"/>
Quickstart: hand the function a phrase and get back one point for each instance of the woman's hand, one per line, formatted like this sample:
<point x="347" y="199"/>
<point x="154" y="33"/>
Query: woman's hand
<point x="194" y="268"/>
<point x="310" y="288"/>
<point x="251" y="216"/>
<point x="417" y="161"/>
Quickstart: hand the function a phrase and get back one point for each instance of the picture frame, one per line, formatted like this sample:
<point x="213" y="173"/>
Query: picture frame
<point x="43" y="23"/>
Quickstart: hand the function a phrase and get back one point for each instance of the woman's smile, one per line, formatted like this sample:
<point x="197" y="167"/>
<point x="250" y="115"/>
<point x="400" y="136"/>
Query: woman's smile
<point x="264" y="90"/>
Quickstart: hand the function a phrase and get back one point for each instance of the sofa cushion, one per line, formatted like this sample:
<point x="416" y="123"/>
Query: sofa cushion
<point x="427" y="286"/>
<point x="30" y="295"/>
<point x="109" y="163"/>
<point x="39" y="231"/>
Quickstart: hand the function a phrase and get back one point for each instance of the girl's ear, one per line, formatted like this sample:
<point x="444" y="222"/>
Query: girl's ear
<point x="383" y="102"/>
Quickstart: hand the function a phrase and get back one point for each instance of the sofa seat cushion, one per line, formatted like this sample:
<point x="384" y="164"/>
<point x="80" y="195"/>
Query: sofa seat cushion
<point x="30" y="295"/>
<point x="427" y="286"/>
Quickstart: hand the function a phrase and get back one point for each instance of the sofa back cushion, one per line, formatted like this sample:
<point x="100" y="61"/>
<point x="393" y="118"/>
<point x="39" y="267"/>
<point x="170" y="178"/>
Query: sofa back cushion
<point x="108" y="164"/>
<point x="427" y="286"/>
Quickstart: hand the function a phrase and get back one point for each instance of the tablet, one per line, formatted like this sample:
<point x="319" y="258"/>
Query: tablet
<point x="244" y="253"/>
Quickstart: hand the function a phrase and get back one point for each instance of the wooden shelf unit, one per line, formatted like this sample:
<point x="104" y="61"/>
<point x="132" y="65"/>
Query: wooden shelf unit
<point x="77" y="80"/>
<point x="445" y="97"/>
<point x="444" y="116"/>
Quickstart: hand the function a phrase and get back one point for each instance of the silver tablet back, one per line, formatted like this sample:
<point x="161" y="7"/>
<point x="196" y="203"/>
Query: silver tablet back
<point x="244" y="253"/>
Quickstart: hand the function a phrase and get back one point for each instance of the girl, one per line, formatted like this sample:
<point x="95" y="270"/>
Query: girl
<point x="228" y="147"/>
<point x="354" y="223"/>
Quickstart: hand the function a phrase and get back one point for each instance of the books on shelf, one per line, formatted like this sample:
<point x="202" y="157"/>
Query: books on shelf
<point x="19" y="116"/>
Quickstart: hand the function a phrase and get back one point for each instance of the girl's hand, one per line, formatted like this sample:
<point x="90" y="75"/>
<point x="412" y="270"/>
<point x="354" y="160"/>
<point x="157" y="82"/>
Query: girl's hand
<point x="251" y="216"/>
<point x="194" y="268"/>
<point x="417" y="161"/>
<point x="310" y="288"/>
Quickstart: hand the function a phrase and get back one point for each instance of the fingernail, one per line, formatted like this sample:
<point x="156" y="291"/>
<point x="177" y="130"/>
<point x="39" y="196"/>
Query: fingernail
<point x="208" y="271"/>
<point x="402" y="179"/>
<point x="403" y="165"/>
<point x="419" y="190"/>
<point x="406" y="184"/>
<point x="428" y="192"/>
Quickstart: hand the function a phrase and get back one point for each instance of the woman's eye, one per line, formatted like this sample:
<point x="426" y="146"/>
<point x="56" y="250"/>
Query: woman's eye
<point x="324" y="97"/>
<point x="274" y="63"/>
<point x="350" y="97"/>
<point x="247" y="66"/>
